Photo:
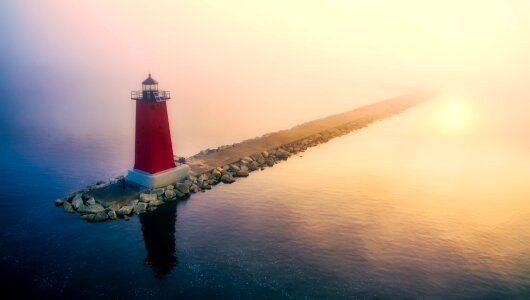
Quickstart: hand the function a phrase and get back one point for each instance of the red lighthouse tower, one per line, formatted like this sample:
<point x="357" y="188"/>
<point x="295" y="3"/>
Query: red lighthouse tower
<point x="154" y="165"/>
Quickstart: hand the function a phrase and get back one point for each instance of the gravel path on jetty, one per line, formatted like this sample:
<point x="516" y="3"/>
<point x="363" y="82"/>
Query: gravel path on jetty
<point x="118" y="198"/>
<point x="210" y="159"/>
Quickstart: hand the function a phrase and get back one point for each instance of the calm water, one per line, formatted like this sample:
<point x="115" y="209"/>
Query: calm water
<point x="391" y="211"/>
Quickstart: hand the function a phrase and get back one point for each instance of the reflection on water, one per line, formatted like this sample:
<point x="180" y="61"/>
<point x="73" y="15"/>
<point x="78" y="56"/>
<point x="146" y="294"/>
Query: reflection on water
<point x="398" y="210"/>
<point x="158" y="228"/>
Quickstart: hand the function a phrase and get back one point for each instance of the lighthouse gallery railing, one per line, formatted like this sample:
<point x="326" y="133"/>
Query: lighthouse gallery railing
<point x="151" y="95"/>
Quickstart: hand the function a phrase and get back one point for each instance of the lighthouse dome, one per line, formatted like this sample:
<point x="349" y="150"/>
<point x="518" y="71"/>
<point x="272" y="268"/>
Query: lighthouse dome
<point x="149" y="81"/>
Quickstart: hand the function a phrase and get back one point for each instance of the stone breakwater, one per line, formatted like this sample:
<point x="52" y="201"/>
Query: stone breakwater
<point x="214" y="166"/>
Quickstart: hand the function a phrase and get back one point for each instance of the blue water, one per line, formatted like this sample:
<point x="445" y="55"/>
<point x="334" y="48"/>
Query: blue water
<point x="365" y="216"/>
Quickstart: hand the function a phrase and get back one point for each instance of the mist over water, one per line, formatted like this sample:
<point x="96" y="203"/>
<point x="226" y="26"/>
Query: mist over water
<point x="238" y="69"/>
<point x="432" y="203"/>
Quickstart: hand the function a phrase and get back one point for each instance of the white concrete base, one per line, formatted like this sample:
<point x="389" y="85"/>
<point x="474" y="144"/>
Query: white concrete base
<point x="160" y="179"/>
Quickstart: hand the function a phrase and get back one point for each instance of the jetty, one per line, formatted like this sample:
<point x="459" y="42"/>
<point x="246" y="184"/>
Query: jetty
<point x="120" y="198"/>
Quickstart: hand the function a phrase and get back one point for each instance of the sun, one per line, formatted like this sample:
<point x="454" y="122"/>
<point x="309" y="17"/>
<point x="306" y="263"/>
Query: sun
<point x="454" y="116"/>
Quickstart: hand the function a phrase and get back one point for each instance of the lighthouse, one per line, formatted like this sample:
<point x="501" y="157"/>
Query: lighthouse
<point x="154" y="164"/>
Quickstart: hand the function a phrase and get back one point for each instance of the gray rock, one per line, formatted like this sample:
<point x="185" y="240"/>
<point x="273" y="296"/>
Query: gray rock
<point x="114" y="205"/>
<point x="234" y="168"/>
<point x="58" y="202"/>
<point x="169" y="187"/>
<point x="77" y="201"/>
<point x="88" y="217"/>
<point x="183" y="188"/>
<point x="258" y="157"/>
<point x="100" y="217"/>
<point x="170" y="194"/>
<point x="253" y="166"/>
<point x="125" y="211"/>
<point x="216" y="174"/>
<point x="152" y="208"/>
<point x="91" y="201"/>
<point x="241" y="174"/>
<point x="85" y="197"/>
<point x="195" y="188"/>
<point x="156" y="203"/>
<point x="282" y="154"/>
<point x="111" y="214"/>
<point x="226" y="178"/>
<point x="147" y="197"/>
<point x="133" y="203"/>
<point x="158" y="192"/>
<point x="140" y="208"/>
<point x="68" y="207"/>
<point x="91" y="209"/>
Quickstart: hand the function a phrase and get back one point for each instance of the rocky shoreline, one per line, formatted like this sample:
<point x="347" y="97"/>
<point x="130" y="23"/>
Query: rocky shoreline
<point x="93" y="210"/>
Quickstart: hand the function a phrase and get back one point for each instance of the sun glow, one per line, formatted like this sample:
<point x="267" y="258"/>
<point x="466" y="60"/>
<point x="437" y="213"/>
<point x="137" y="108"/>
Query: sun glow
<point x="454" y="116"/>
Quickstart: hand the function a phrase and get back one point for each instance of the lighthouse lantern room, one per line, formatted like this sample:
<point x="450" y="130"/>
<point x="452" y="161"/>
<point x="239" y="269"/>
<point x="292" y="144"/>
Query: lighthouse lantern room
<point x="154" y="164"/>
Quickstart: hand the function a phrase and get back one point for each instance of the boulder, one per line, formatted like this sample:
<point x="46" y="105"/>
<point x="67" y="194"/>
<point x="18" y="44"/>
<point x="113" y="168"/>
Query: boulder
<point x="90" y="209"/>
<point x="125" y="211"/>
<point x="140" y="208"/>
<point x="179" y="194"/>
<point x="58" y="202"/>
<point x="147" y="197"/>
<point x="258" y="157"/>
<point x="183" y="188"/>
<point x="156" y="203"/>
<point x="100" y="217"/>
<point x="114" y="205"/>
<point x="241" y="173"/>
<point x="91" y="201"/>
<point x="77" y="201"/>
<point x="195" y="188"/>
<point x="111" y="214"/>
<point x="170" y="194"/>
<point x="88" y="217"/>
<point x="158" y="192"/>
<point x="226" y="178"/>
<point x="169" y="187"/>
<point x="216" y="174"/>
<point x="282" y="154"/>
<point x="253" y="166"/>
<point x="233" y="168"/>
<point x="68" y="207"/>
<point x="85" y="197"/>
<point x="152" y="208"/>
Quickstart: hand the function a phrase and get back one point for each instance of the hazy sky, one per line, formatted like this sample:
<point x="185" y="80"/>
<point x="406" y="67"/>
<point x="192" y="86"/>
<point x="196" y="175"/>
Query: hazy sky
<point x="241" y="68"/>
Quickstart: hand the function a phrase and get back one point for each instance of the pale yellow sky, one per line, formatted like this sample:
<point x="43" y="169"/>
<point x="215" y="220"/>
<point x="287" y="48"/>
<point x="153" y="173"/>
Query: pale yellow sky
<point x="266" y="64"/>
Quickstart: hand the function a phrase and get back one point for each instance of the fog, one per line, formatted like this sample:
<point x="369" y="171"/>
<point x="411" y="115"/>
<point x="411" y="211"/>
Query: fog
<point x="237" y="69"/>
